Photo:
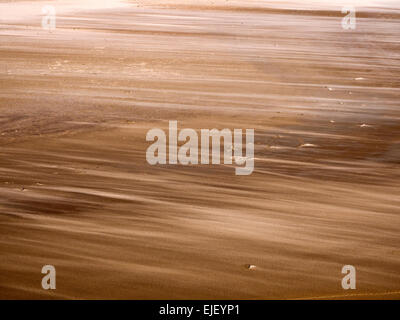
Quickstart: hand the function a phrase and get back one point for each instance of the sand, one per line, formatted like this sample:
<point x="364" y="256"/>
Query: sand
<point x="76" y="191"/>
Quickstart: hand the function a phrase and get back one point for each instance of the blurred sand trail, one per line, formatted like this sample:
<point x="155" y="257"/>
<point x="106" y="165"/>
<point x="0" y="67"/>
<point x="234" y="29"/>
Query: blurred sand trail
<point x="76" y="190"/>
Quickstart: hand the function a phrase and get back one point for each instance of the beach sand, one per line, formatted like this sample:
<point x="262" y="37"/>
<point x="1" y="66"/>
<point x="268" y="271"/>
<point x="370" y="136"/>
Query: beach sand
<point x="77" y="192"/>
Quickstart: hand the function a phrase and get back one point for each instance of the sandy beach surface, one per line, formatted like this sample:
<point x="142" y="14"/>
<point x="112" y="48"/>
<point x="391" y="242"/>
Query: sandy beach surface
<point x="77" y="192"/>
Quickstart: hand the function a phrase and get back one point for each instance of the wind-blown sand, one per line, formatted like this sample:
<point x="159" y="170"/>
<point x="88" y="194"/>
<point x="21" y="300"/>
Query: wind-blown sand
<point x="76" y="191"/>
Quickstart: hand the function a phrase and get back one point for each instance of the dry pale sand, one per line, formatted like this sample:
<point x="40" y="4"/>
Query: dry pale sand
<point x="76" y="191"/>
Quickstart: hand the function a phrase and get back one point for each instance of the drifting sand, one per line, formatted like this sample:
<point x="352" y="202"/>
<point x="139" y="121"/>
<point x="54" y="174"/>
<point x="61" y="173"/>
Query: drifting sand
<point x="76" y="190"/>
